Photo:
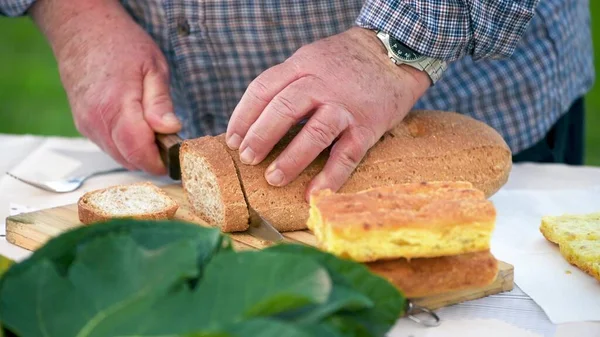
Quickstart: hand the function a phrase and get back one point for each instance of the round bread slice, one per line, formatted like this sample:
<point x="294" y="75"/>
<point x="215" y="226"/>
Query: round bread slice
<point x="143" y="200"/>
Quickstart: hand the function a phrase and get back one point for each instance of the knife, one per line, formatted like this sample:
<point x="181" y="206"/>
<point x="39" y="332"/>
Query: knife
<point x="168" y="146"/>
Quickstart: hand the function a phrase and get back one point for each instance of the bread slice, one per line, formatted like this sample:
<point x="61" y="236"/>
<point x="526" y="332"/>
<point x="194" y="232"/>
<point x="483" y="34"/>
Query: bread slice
<point x="211" y="184"/>
<point x="578" y="238"/>
<point x="142" y="200"/>
<point x="421" y="277"/>
<point x="567" y="227"/>
<point x="403" y="221"/>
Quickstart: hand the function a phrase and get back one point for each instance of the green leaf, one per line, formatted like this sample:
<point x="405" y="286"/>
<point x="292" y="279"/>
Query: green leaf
<point x="62" y="249"/>
<point x="110" y="277"/>
<point x="268" y="328"/>
<point x="171" y="279"/>
<point x="5" y="263"/>
<point x="388" y="301"/>
<point x="254" y="284"/>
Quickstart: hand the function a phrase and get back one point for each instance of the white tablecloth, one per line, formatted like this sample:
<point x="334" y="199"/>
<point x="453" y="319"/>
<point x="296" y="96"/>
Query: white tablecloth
<point x="508" y="314"/>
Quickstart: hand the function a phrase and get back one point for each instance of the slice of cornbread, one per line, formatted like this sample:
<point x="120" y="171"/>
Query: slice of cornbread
<point x="403" y="221"/>
<point x="561" y="228"/>
<point x="578" y="238"/>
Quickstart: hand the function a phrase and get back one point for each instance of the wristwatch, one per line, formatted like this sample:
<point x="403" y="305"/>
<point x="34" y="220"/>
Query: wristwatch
<point x="400" y="53"/>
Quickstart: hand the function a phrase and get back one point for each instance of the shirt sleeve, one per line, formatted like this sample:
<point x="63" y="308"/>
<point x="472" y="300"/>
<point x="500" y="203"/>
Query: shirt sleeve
<point x="451" y="29"/>
<point x="14" y="7"/>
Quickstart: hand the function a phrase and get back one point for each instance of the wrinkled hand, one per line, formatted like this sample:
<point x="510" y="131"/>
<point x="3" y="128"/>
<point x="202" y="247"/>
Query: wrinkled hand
<point x="348" y="90"/>
<point x="115" y="78"/>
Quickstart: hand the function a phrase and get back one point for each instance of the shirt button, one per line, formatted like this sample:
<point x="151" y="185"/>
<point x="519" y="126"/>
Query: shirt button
<point x="183" y="27"/>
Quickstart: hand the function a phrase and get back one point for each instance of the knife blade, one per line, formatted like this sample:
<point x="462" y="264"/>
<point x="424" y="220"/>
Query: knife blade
<point x="169" y="144"/>
<point x="259" y="227"/>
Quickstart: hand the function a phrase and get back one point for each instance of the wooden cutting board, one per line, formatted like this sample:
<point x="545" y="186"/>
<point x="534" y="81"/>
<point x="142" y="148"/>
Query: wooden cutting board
<point x="32" y="230"/>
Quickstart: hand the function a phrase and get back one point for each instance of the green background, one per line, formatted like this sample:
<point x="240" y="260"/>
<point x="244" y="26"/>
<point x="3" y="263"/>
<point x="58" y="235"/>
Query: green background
<point x="32" y="99"/>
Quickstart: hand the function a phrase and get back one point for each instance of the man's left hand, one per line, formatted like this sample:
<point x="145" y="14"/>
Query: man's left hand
<point x="347" y="90"/>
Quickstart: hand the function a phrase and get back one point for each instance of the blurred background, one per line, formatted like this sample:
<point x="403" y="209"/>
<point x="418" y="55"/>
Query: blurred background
<point x="32" y="100"/>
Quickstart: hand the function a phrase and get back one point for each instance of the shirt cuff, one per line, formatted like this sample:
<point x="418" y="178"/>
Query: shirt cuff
<point x="450" y="30"/>
<point x="15" y="8"/>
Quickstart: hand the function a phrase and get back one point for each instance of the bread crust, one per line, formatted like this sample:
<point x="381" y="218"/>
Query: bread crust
<point x="426" y="146"/>
<point x="222" y="166"/>
<point x="423" y="277"/>
<point x="89" y="214"/>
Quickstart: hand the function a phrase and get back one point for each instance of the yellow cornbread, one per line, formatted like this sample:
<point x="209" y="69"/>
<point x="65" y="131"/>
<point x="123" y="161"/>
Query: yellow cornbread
<point x="403" y="221"/>
<point x="578" y="238"/>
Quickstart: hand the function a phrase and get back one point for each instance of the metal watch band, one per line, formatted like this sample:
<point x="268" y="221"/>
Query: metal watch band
<point x="433" y="67"/>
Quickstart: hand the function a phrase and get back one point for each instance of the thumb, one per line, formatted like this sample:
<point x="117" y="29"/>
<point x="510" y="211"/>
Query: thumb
<point x="157" y="104"/>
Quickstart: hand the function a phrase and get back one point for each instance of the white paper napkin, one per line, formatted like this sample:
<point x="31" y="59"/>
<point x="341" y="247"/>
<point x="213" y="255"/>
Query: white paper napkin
<point x="565" y="293"/>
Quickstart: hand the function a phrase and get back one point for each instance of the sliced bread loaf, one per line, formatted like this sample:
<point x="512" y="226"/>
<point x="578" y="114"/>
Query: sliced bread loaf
<point x="211" y="186"/>
<point x="142" y="200"/>
<point x="426" y="146"/>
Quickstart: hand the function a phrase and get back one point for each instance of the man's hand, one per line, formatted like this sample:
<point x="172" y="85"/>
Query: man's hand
<point x="114" y="75"/>
<point x="348" y="90"/>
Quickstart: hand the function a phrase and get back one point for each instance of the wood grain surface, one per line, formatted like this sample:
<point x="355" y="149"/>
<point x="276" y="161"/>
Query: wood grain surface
<point x="32" y="230"/>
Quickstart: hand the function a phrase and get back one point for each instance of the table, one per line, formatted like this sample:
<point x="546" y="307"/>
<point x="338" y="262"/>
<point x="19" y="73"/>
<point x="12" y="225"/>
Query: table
<point x="508" y="314"/>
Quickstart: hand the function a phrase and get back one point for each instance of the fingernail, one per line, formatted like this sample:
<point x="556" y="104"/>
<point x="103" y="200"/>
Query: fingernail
<point x="275" y="176"/>
<point x="247" y="156"/>
<point x="170" y="119"/>
<point x="234" y="141"/>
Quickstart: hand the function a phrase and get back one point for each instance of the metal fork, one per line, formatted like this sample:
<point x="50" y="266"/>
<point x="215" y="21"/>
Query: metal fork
<point x="68" y="184"/>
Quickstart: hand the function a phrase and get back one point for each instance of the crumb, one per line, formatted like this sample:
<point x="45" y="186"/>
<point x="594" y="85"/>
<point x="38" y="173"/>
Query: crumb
<point x="567" y="272"/>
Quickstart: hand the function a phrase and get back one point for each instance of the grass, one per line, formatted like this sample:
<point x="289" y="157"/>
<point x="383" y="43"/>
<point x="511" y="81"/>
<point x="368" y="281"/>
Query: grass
<point x="32" y="100"/>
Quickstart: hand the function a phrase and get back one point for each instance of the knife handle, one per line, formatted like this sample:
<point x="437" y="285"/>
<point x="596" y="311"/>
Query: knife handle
<point x="168" y="146"/>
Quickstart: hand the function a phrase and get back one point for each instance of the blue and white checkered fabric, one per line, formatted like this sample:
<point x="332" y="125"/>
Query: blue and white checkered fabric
<point x="516" y="65"/>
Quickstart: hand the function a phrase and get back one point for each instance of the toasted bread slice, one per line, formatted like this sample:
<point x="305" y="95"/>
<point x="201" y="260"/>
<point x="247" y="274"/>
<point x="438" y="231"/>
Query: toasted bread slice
<point x="578" y="238"/>
<point x="403" y="221"/>
<point x="142" y="200"/>
<point x="211" y="184"/>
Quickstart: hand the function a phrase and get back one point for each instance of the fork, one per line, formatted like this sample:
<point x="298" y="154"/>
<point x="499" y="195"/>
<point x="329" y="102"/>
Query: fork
<point x="68" y="184"/>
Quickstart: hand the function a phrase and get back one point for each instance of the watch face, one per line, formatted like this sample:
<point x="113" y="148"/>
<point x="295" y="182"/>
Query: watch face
<point x="402" y="51"/>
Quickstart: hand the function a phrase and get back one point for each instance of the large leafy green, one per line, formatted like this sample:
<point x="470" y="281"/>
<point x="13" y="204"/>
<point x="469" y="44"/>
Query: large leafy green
<point x="4" y="265"/>
<point x="167" y="278"/>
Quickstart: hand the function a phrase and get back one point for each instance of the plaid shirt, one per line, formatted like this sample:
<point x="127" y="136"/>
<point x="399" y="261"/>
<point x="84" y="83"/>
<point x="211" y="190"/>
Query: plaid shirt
<point x="515" y="64"/>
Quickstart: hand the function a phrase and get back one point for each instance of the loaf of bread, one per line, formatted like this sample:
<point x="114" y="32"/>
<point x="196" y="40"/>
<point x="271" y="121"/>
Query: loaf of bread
<point x="403" y="221"/>
<point x="143" y="200"/>
<point x="423" y="277"/>
<point x="426" y="146"/>
<point x="578" y="238"/>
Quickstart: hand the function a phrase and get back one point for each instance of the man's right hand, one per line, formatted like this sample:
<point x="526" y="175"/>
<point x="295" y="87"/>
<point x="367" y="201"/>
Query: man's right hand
<point x="115" y="77"/>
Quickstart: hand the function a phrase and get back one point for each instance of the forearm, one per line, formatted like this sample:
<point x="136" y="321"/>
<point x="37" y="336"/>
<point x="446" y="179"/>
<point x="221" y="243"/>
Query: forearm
<point x="55" y="18"/>
<point x="452" y="29"/>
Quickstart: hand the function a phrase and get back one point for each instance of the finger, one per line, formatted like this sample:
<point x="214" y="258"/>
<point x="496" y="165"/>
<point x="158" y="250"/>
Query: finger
<point x="320" y="131"/>
<point x="157" y="104"/>
<point x="135" y="140"/>
<point x="109" y="147"/>
<point x="93" y="126"/>
<point x="258" y="94"/>
<point x="345" y="155"/>
<point x="284" y="111"/>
